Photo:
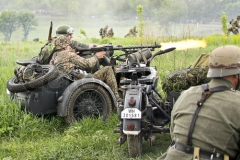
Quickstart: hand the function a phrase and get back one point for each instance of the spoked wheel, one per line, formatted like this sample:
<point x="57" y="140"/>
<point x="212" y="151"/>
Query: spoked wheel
<point x="134" y="145"/>
<point x="88" y="100"/>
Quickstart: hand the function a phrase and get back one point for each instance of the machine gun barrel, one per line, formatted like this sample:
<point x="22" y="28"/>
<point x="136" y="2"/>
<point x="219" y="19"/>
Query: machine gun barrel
<point x="128" y="49"/>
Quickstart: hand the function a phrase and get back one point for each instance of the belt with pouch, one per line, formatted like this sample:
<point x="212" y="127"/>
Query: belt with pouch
<point x="202" y="153"/>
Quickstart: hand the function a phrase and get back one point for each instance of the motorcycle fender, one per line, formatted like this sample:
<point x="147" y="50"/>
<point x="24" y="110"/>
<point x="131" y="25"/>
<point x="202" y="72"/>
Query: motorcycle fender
<point x="131" y="122"/>
<point x="135" y="122"/>
<point x="64" y="98"/>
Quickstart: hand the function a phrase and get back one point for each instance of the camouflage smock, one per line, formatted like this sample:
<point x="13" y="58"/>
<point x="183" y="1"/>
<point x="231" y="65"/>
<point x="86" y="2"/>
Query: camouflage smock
<point x="67" y="61"/>
<point x="217" y="125"/>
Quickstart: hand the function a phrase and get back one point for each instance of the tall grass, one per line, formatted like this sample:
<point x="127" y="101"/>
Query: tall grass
<point x="25" y="136"/>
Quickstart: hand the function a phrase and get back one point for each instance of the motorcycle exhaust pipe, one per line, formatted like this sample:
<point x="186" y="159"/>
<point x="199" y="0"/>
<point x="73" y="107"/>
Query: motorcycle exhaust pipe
<point x="158" y="129"/>
<point x="119" y="110"/>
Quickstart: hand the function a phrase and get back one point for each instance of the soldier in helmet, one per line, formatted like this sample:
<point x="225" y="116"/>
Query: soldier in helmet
<point x="234" y="25"/>
<point x="205" y="119"/>
<point x="75" y="66"/>
<point x="48" y="49"/>
<point x="110" y="33"/>
<point x="68" y="32"/>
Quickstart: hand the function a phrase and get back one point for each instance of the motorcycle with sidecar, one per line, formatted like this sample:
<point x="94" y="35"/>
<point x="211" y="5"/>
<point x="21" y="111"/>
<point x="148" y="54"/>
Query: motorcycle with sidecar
<point x="46" y="92"/>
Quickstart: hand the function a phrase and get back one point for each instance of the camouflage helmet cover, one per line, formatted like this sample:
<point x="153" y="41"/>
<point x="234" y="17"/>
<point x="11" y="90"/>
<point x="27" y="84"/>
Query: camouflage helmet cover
<point x="238" y="17"/>
<point x="64" y="30"/>
<point x="61" y="42"/>
<point x="224" y="61"/>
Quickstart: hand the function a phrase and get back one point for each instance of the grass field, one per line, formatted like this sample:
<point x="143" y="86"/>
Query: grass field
<point x="24" y="136"/>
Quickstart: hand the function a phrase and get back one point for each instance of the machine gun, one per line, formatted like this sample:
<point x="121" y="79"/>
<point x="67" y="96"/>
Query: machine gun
<point x="109" y="49"/>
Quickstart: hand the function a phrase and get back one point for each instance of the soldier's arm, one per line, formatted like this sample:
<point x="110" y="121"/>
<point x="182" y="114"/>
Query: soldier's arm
<point x="82" y="62"/>
<point x="75" y="44"/>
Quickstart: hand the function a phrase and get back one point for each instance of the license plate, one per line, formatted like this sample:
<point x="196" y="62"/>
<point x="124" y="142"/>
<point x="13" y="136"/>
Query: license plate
<point x="131" y="113"/>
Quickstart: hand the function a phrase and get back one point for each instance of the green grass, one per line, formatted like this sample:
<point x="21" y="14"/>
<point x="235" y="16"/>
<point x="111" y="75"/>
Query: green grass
<point x="24" y="136"/>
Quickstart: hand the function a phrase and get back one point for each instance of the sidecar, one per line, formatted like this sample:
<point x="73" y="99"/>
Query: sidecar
<point x="51" y="93"/>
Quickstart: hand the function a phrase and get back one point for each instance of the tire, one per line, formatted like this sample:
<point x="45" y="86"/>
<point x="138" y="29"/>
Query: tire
<point x="134" y="145"/>
<point x="14" y="86"/>
<point x="88" y="100"/>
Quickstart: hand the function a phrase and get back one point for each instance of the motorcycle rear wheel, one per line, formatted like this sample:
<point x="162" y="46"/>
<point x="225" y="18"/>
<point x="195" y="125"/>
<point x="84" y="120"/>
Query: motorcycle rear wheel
<point x="88" y="100"/>
<point x="134" y="145"/>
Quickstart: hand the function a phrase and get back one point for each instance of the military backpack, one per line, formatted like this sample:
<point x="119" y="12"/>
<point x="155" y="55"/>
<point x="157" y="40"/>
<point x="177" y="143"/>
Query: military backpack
<point x="45" y="54"/>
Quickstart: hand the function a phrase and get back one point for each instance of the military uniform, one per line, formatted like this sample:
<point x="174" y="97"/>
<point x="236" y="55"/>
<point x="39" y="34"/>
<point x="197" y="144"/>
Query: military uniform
<point x="67" y="62"/>
<point x="217" y="127"/>
<point x="110" y="33"/>
<point x="74" y="44"/>
<point x="234" y="25"/>
<point x="132" y="32"/>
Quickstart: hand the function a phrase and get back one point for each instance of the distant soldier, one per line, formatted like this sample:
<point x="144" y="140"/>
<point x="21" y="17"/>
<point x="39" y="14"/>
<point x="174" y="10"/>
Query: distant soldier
<point x="101" y="33"/>
<point x="110" y="33"/>
<point x="105" y="31"/>
<point x="132" y="32"/>
<point x="234" y="25"/>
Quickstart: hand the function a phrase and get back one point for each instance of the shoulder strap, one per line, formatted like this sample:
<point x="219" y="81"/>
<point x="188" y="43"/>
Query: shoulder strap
<point x="205" y="95"/>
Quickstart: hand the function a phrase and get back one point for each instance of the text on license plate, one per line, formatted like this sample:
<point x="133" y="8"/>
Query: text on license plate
<point x="131" y="113"/>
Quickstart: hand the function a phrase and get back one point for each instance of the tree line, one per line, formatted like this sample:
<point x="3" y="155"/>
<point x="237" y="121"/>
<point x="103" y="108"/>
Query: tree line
<point x="162" y="11"/>
<point x="10" y="21"/>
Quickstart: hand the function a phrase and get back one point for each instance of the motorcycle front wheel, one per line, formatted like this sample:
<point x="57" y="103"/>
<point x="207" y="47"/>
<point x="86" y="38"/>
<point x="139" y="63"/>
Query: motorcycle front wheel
<point x="134" y="145"/>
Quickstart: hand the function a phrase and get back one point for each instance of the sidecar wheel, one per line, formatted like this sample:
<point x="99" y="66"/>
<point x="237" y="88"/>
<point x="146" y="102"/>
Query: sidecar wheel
<point x="88" y="100"/>
<point x="50" y="73"/>
<point x="134" y="145"/>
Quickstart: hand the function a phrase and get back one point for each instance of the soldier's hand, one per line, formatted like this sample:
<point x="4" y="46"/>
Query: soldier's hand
<point x="100" y="54"/>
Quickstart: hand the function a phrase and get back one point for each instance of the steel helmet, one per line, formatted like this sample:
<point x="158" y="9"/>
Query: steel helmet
<point x="224" y="61"/>
<point x="61" y="42"/>
<point x="238" y="17"/>
<point x="64" y="30"/>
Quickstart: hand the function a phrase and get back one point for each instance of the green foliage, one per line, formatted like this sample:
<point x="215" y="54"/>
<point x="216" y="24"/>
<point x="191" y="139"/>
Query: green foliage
<point x="28" y="22"/>
<point x="82" y="32"/>
<point x="141" y="22"/>
<point x="224" y="21"/>
<point x="9" y="22"/>
<point x="158" y="10"/>
<point x="95" y="40"/>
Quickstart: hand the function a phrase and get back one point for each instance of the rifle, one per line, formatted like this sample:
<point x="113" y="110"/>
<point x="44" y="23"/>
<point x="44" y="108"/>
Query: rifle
<point x="50" y="32"/>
